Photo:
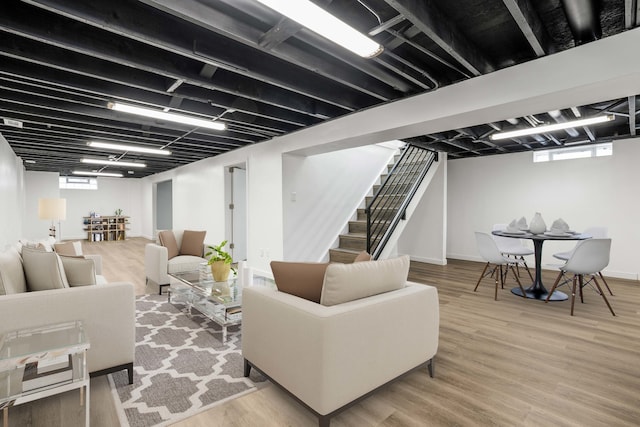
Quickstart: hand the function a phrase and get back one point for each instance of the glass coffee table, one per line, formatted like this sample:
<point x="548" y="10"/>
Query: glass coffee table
<point x="40" y="362"/>
<point x="219" y="301"/>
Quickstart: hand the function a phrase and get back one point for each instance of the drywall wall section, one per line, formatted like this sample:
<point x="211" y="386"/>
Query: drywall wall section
<point x="425" y="235"/>
<point x="599" y="191"/>
<point x="41" y="185"/>
<point x="11" y="195"/>
<point x="112" y="194"/>
<point x="321" y="194"/>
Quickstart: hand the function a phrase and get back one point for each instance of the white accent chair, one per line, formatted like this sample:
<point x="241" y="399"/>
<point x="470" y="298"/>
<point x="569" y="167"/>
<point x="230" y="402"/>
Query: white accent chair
<point x="512" y="247"/>
<point x="589" y="258"/>
<point x="329" y="357"/>
<point x="157" y="264"/>
<point x="489" y="251"/>
<point x="596" y="233"/>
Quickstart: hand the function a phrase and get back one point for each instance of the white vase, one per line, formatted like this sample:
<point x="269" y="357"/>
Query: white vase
<point x="537" y="225"/>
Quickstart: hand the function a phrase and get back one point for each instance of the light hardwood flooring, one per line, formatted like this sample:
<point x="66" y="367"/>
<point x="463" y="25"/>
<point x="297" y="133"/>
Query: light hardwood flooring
<point x="511" y="362"/>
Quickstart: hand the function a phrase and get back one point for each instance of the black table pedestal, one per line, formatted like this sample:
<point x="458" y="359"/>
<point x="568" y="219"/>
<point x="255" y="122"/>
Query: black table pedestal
<point x="537" y="289"/>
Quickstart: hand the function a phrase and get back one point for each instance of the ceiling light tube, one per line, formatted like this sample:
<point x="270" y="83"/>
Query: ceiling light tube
<point x="124" y="147"/>
<point x="170" y="117"/>
<point x="89" y="173"/>
<point x="553" y="127"/>
<point x="323" y="23"/>
<point x="113" y="163"/>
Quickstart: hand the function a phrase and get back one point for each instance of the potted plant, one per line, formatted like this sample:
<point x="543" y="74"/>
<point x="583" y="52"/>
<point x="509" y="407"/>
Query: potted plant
<point x="220" y="262"/>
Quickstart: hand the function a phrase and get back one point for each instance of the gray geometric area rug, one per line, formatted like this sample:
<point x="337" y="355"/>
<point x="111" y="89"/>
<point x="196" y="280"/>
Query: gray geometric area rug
<point x="181" y="366"/>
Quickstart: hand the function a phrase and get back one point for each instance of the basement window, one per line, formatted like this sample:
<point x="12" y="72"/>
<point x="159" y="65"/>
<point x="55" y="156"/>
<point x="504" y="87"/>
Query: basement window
<point x="567" y="153"/>
<point x="78" y="183"/>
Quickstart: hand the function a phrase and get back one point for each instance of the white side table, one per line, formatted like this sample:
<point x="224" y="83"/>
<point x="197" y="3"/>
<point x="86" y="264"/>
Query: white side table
<point x="54" y="358"/>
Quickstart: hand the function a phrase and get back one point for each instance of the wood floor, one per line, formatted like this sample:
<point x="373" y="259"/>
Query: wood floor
<point x="511" y="362"/>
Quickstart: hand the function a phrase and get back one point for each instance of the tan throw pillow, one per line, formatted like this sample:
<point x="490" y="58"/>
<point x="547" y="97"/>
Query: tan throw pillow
<point x="348" y="282"/>
<point x="67" y="248"/>
<point x="168" y="240"/>
<point x="302" y="279"/>
<point x="43" y="270"/>
<point x="192" y="243"/>
<point x="12" y="279"/>
<point x="79" y="270"/>
<point x="362" y="256"/>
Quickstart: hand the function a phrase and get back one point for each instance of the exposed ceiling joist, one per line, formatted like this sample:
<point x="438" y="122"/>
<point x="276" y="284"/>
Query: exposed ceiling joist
<point x="531" y="26"/>
<point x="427" y="17"/>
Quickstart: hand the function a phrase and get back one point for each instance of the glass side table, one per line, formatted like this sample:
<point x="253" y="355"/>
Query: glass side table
<point x="40" y="362"/>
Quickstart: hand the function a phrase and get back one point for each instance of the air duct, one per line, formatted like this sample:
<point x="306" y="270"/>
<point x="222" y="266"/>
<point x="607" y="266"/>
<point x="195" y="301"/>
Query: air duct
<point x="584" y="19"/>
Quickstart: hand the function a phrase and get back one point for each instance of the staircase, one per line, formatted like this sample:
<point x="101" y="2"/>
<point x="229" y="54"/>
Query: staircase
<point x="386" y="204"/>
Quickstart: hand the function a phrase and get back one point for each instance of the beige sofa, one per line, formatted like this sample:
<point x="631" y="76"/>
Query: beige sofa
<point x="107" y="312"/>
<point x="329" y="357"/>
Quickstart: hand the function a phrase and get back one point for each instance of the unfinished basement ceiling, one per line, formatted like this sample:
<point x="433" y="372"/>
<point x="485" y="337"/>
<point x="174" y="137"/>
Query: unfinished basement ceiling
<point x="62" y="62"/>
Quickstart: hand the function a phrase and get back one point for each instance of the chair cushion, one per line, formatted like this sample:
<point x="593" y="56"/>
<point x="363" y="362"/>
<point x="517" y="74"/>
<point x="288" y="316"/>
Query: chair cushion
<point x="184" y="263"/>
<point x="348" y="282"/>
<point x="302" y="279"/>
<point x="168" y="240"/>
<point x="43" y="270"/>
<point x="363" y="256"/>
<point x="192" y="243"/>
<point x="12" y="279"/>
<point x="79" y="270"/>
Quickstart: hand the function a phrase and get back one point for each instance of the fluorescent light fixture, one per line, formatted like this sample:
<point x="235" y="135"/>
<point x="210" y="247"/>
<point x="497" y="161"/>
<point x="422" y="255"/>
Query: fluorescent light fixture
<point x="170" y="117"/>
<point x="323" y="23"/>
<point x="113" y="163"/>
<point x="124" y="147"/>
<point x="553" y="127"/>
<point x="89" y="173"/>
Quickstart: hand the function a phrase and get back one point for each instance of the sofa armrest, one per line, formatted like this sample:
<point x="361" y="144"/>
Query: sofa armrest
<point x="329" y="356"/>
<point x="97" y="260"/>
<point x="107" y="312"/>
<point x="155" y="263"/>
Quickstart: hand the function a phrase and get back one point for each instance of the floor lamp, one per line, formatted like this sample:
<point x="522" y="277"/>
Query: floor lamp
<point x="54" y="210"/>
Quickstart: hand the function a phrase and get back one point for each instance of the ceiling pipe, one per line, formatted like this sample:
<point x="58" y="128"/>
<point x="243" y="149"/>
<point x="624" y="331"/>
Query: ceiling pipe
<point x="584" y="19"/>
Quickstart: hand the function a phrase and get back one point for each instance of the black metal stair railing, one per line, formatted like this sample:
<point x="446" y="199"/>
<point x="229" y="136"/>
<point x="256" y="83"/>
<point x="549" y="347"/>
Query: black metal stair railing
<point x="389" y="204"/>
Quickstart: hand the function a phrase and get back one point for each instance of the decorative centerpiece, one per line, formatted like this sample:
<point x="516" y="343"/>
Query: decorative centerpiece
<point x="537" y="225"/>
<point x="220" y="262"/>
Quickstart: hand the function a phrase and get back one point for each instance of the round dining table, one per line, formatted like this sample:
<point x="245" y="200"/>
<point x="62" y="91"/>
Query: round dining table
<point x="537" y="289"/>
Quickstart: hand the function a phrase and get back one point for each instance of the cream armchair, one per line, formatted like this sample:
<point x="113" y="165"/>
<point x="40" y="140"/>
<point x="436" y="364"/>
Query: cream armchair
<point x="157" y="264"/>
<point x="329" y="357"/>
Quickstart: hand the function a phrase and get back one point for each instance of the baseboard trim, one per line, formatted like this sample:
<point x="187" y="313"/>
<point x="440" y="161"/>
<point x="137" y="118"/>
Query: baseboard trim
<point x="435" y="261"/>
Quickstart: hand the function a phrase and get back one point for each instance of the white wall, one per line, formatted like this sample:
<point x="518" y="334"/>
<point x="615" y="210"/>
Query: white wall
<point x="112" y="193"/>
<point x="425" y="237"/>
<point x="198" y="196"/>
<point x="327" y="188"/>
<point x="40" y="185"/>
<point x="584" y="192"/>
<point x="11" y="195"/>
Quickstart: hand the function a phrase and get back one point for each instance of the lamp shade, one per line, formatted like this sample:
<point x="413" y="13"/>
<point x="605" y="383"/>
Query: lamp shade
<point x="53" y="209"/>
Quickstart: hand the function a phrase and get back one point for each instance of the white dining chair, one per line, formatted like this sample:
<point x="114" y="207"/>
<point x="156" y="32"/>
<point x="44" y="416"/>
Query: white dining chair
<point x="596" y="233"/>
<point x="588" y="259"/>
<point x="512" y="247"/>
<point x="489" y="251"/>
